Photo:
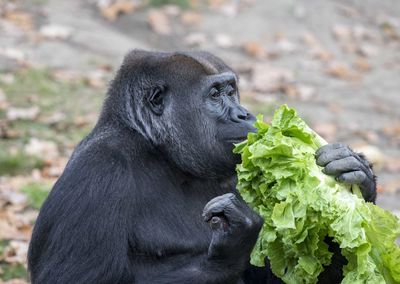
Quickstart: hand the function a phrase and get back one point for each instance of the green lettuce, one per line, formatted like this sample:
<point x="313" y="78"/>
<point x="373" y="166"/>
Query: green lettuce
<point x="301" y="206"/>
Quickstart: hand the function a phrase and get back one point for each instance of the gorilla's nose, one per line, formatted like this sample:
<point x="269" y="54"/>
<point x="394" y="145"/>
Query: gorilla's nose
<point x="241" y="115"/>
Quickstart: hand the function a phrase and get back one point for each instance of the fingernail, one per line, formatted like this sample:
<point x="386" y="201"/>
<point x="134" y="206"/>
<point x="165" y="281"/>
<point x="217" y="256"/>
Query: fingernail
<point x="215" y="222"/>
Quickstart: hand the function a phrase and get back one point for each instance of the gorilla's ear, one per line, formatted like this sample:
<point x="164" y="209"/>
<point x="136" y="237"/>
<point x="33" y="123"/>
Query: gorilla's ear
<point x="155" y="99"/>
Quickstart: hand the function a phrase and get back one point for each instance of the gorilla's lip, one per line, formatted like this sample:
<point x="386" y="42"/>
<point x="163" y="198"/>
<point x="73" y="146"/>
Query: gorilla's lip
<point x="236" y="140"/>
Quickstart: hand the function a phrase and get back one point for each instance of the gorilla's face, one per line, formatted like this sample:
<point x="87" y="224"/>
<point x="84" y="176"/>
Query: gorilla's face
<point x="206" y="120"/>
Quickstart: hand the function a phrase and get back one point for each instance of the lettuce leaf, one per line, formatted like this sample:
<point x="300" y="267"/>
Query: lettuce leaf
<point x="301" y="206"/>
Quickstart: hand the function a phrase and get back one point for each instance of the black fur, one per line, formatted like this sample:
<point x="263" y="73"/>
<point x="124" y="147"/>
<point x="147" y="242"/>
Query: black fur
<point x="128" y="207"/>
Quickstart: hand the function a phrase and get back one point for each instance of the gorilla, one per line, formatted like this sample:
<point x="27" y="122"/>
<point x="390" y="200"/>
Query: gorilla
<point x="149" y="195"/>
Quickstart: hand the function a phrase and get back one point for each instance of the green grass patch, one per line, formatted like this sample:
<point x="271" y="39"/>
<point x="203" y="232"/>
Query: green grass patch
<point x="180" y="3"/>
<point x="3" y="245"/>
<point x="36" y="194"/>
<point x="19" y="163"/>
<point x="12" y="271"/>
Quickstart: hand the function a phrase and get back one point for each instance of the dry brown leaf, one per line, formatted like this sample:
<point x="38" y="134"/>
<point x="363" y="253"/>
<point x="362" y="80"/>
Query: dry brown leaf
<point x="321" y="53"/>
<point x="56" y="168"/>
<point x="316" y="48"/>
<point x="216" y="3"/>
<point x="16" y="252"/>
<point x="96" y="79"/>
<point x="311" y="40"/>
<point x="191" y="18"/>
<point x="30" y="113"/>
<point x="362" y="33"/>
<point x="113" y="9"/>
<point x="299" y="91"/>
<point x="195" y="39"/>
<point x="223" y="40"/>
<point x="22" y="19"/>
<point x="47" y="150"/>
<point x="159" y="22"/>
<point x="85" y="120"/>
<point x="341" y="71"/>
<point x="367" y="50"/>
<point x="9" y="228"/>
<point x="67" y="76"/>
<point x="361" y="64"/>
<point x="13" y="53"/>
<point x="55" y="31"/>
<point x="6" y="131"/>
<point x="341" y="32"/>
<point x="54" y="118"/>
<point x="266" y="78"/>
<point x="9" y="195"/>
<point x="255" y="49"/>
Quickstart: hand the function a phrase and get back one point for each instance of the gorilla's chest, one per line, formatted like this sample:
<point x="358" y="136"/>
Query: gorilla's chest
<point x="172" y="221"/>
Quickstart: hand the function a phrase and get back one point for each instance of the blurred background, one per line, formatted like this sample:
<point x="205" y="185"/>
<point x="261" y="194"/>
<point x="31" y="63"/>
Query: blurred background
<point x="337" y="62"/>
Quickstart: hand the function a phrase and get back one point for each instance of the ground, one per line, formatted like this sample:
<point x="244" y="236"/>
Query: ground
<point x="337" y="62"/>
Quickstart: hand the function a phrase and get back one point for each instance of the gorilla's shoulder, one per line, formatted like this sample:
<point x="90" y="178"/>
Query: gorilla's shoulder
<point x="99" y="151"/>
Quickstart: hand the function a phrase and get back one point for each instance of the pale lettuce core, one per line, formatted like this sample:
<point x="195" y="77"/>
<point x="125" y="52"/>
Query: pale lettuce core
<point x="280" y="180"/>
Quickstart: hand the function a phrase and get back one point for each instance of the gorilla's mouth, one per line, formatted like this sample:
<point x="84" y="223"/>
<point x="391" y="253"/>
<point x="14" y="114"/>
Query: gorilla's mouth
<point x="236" y="140"/>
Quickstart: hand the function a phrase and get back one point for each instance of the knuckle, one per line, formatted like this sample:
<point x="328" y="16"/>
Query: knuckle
<point x="229" y="195"/>
<point x="339" y="145"/>
<point x="361" y="176"/>
<point x="352" y="161"/>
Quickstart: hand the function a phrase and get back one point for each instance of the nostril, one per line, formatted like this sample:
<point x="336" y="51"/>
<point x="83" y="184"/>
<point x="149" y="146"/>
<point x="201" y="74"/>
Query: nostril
<point x="242" y="116"/>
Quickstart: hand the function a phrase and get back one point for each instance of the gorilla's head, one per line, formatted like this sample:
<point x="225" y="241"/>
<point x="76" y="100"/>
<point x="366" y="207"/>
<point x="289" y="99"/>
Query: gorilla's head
<point x="187" y="105"/>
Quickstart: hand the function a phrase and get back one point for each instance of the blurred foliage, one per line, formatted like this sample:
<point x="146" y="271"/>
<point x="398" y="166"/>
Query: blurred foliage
<point x="180" y="3"/>
<point x="19" y="163"/>
<point x="36" y="194"/>
<point x="12" y="271"/>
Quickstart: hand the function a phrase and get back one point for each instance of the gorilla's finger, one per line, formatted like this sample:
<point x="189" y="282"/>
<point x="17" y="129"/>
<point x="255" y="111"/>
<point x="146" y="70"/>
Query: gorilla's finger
<point x="329" y="147"/>
<point x="326" y="157"/>
<point x="356" y="177"/>
<point x="217" y="202"/>
<point x="337" y="167"/>
<point x="225" y="206"/>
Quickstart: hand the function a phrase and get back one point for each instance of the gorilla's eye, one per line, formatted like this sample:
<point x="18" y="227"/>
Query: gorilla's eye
<point x="230" y="90"/>
<point x="214" y="92"/>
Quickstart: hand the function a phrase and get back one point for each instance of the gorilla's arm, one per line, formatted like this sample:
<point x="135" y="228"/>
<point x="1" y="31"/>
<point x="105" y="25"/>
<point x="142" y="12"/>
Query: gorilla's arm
<point x="235" y="228"/>
<point x="348" y="167"/>
<point x="74" y="239"/>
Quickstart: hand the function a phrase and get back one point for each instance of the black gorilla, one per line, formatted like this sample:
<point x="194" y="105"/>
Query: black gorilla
<point x="149" y="195"/>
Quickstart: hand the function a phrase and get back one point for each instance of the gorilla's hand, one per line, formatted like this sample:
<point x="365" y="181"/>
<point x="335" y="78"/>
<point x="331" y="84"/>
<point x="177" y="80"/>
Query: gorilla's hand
<point x="348" y="167"/>
<point x="235" y="227"/>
